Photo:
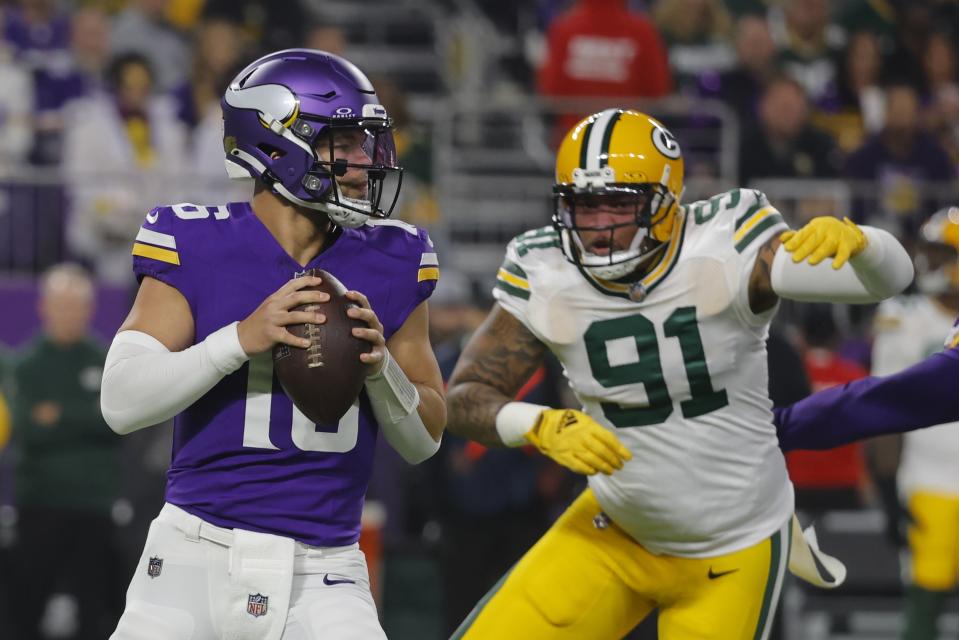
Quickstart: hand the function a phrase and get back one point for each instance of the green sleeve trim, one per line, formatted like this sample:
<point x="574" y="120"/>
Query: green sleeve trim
<point x="516" y="292"/>
<point x="771" y="220"/>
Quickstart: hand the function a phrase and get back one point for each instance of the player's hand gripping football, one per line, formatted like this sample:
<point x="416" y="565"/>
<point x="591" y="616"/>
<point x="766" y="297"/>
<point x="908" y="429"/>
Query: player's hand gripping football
<point x="266" y="326"/>
<point x="577" y="442"/>
<point x="825" y="237"/>
<point x="377" y="355"/>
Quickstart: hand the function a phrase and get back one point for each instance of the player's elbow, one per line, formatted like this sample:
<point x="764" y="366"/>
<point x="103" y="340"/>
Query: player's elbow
<point x="114" y="420"/>
<point x="434" y="414"/>
<point x="119" y="420"/>
<point x="120" y="406"/>
<point x="421" y="454"/>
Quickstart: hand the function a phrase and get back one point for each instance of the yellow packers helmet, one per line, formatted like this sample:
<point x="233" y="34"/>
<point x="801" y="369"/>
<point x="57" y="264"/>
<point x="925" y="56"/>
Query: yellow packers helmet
<point x="937" y="254"/>
<point x="625" y="157"/>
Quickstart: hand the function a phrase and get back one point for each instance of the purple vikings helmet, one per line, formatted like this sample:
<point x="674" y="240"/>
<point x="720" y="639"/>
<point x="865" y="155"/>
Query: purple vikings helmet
<point x="276" y="110"/>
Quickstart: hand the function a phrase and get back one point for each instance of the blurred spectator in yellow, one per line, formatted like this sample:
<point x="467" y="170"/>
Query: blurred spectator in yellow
<point x="602" y="48"/>
<point x="698" y="36"/>
<point x="859" y="104"/>
<point x="4" y="421"/>
<point x="417" y="201"/>
<point x="184" y="14"/>
<point x="218" y="45"/>
<point x="142" y="27"/>
<point x="809" y="47"/>
<point x="785" y="144"/>
<point x="123" y="151"/>
<point x="67" y="473"/>
<point x="902" y="160"/>
<point x="742" y="86"/>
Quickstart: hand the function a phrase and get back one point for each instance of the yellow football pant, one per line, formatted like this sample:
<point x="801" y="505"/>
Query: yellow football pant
<point x="934" y="540"/>
<point x="587" y="583"/>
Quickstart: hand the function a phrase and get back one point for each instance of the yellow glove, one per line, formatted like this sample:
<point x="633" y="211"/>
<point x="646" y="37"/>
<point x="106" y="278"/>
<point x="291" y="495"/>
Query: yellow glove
<point x="825" y="237"/>
<point x="577" y="442"/>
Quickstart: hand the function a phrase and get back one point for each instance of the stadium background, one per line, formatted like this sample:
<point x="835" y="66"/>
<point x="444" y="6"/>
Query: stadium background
<point x="843" y="108"/>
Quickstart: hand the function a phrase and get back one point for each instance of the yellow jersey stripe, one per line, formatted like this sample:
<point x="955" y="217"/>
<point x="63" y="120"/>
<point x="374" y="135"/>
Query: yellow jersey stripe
<point x="156" y="253"/>
<point x="752" y="222"/>
<point x="514" y="280"/>
<point x="428" y="273"/>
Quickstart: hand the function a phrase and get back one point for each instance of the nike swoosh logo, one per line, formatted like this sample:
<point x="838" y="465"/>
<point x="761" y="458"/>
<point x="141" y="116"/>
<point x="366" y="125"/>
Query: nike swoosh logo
<point x="327" y="580"/>
<point x="713" y="575"/>
<point x="153" y="216"/>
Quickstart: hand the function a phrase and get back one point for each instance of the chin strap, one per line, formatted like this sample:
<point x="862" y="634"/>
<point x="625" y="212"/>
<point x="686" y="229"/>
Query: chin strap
<point x="344" y="216"/>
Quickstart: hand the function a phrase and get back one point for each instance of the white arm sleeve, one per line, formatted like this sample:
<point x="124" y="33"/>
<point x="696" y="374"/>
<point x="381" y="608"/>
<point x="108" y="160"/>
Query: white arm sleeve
<point x="882" y="270"/>
<point x="515" y="419"/>
<point x="394" y="400"/>
<point x="144" y="383"/>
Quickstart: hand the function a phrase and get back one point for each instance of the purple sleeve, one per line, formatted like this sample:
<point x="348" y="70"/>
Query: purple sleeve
<point x="160" y="251"/>
<point x="418" y="279"/>
<point x="914" y="398"/>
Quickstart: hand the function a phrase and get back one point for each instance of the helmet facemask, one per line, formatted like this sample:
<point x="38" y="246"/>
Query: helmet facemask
<point x="604" y="252"/>
<point x="345" y="197"/>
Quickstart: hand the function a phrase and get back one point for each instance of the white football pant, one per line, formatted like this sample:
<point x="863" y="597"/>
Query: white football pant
<point x="196" y="581"/>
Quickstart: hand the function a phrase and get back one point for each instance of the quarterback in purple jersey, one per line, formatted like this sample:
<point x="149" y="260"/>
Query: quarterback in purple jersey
<point x="258" y="537"/>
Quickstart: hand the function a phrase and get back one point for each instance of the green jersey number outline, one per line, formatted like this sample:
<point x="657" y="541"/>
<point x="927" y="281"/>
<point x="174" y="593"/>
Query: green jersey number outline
<point x="648" y="370"/>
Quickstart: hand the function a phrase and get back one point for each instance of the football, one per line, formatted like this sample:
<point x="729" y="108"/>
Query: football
<point x="324" y="379"/>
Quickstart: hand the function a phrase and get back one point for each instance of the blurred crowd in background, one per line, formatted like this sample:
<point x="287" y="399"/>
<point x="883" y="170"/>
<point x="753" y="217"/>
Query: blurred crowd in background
<point x="110" y="107"/>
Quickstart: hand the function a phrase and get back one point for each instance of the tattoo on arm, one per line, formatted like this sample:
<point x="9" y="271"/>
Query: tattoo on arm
<point x="761" y="295"/>
<point x="499" y="359"/>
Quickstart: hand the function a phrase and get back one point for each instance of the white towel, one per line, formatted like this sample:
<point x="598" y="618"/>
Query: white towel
<point x="806" y="561"/>
<point x="255" y="605"/>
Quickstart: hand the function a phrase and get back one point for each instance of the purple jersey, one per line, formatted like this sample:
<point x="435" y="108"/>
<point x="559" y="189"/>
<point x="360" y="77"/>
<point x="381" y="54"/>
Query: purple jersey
<point x="914" y="398"/>
<point x="243" y="455"/>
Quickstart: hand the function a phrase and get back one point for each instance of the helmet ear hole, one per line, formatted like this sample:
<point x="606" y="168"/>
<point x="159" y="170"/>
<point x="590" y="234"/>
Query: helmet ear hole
<point x="271" y="151"/>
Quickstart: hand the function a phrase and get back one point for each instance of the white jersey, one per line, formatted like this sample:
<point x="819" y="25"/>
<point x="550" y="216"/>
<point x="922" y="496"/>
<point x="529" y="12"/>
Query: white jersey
<point x="908" y="329"/>
<point x="680" y="376"/>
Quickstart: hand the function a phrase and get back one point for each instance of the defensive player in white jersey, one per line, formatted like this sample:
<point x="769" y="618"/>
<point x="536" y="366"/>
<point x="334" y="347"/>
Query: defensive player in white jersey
<point x="659" y="313"/>
<point x="909" y="329"/>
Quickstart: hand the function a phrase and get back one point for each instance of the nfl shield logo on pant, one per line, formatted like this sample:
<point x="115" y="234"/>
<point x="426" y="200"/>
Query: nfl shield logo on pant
<point x="155" y="567"/>
<point x="256" y="605"/>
